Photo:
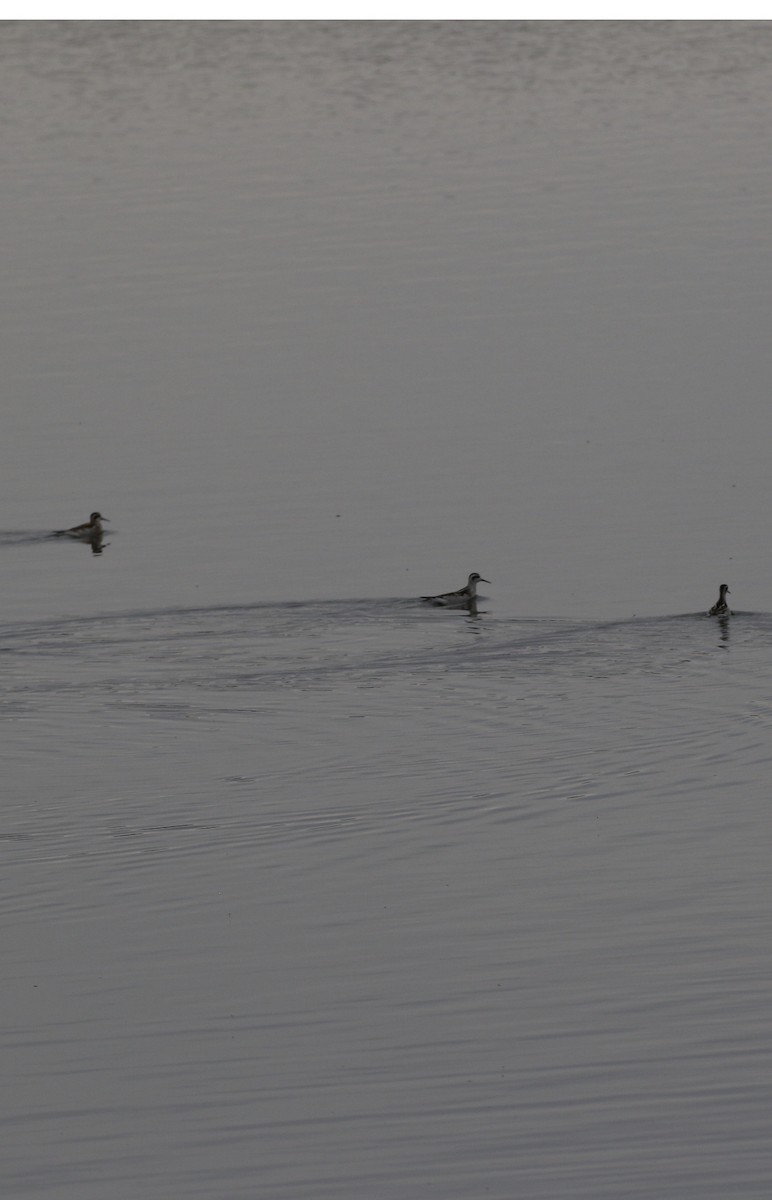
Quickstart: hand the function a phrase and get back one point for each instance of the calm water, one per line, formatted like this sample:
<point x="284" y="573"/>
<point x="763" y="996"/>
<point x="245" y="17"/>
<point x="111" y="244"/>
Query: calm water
<point x="311" y="891"/>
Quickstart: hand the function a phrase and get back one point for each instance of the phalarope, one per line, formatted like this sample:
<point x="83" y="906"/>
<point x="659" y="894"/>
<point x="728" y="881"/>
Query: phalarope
<point x="89" y="529"/>
<point x="459" y="599"/>
<point x="721" y="608"/>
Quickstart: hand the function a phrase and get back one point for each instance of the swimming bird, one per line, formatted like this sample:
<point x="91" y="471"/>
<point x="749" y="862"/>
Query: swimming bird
<point x="460" y="599"/>
<point x="721" y="608"/>
<point x="88" y="530"/>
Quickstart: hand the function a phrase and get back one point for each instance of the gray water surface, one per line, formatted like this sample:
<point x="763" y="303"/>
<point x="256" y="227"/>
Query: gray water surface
<point x="312" y="890"/>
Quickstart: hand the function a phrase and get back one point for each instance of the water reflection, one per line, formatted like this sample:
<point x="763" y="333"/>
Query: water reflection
<point x="95" y="541"/>
<point x="723" y="629"/>
<point x="473" y="613"/>
<point x="16" y="538"/>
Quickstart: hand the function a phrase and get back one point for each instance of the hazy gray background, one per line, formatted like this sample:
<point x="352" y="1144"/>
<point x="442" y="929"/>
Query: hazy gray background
<point x="311" y="892"/>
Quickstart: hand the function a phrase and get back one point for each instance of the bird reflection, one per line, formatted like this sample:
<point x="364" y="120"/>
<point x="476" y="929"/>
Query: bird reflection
<point x="473" y="613"/>
<point x="723" y="628"/>
<point x="97" y="543"/>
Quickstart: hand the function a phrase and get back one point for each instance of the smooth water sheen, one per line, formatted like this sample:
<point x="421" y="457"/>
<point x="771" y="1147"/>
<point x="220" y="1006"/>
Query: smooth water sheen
<point x="311" y="890"/>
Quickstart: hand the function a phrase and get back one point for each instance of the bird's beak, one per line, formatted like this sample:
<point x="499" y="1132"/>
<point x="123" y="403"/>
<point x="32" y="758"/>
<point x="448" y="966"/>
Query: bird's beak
<point x="484" y="580"/>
